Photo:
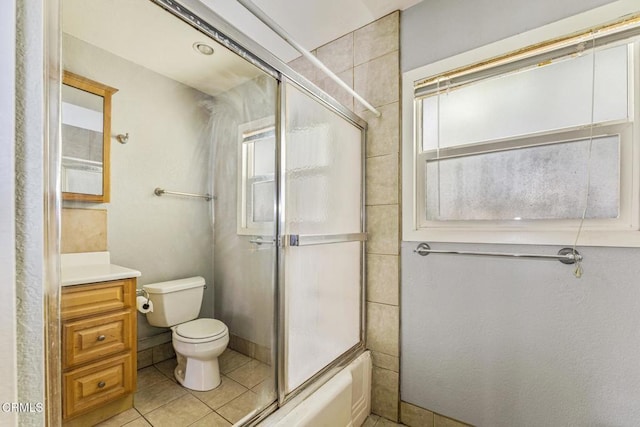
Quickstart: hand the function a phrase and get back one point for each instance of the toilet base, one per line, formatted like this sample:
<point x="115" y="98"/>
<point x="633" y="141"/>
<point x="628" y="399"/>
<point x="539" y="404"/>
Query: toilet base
<point x="199" y="375"/>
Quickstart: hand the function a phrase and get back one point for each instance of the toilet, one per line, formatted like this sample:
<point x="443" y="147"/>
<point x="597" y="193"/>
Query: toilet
<point x="197" y="342"/>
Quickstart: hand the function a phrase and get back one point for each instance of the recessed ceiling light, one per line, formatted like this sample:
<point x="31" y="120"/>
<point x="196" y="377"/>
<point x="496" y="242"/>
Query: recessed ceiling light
<point x="203" y="48"/>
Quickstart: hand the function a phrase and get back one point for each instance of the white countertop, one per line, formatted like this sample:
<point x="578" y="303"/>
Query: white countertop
<point x="91" y="267"/>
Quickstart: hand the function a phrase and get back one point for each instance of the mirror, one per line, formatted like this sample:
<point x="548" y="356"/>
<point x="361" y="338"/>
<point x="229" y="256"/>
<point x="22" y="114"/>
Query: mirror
<point x="86" y="134"/>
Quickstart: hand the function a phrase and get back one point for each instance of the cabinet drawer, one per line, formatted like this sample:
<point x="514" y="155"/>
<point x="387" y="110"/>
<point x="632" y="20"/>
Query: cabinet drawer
<point x="94" y="385"/>
<point x="96" y="337"/>
<point x="83" y="300"/>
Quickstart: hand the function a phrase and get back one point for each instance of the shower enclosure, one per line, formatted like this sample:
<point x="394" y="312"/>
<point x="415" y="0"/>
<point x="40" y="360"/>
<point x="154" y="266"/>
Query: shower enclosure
<point x="298" y="256"/>
<point x="289" y="242"/>
<point x="283" y="241"/>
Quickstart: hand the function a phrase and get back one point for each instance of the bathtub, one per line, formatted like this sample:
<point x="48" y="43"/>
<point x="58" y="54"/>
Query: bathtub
<point x="344" y="400"/>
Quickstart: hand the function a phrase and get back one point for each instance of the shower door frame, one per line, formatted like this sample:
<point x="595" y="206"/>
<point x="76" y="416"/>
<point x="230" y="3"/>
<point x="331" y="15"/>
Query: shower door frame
<point x="284" y="241"/>
<point x="205" y="20"/>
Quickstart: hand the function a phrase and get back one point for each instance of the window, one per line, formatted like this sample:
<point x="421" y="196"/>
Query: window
<point x="256" y="180"/>
<point x="526" y="147"/>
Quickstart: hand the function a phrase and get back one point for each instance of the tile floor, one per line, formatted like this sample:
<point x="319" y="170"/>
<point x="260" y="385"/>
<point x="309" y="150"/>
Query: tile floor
<point x="376" y="421"/>
<point x="161" y="401"/>
<point x="246" y="385"/>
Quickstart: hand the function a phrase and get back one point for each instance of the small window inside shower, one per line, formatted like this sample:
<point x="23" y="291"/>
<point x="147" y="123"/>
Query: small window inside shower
<point x="256" y="177"/>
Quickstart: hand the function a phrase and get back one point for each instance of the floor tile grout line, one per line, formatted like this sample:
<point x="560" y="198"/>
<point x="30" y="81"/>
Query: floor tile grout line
<point x="164" y="404"/>
<point x="225" y="418"/>
<point x="215" y="409"/>
<point x="203" y="417"/>
<point x="229" y="402"/>
<point x="239" y="366"/>
<point x="165" y="375"/>
<point x="261" y="382"/>
<point x="207" y="405"/>
<point x="140" y="418"/>
<point x="237" y="382"/>
<point x="146" y="419"/>
<point x="164" y="378"/>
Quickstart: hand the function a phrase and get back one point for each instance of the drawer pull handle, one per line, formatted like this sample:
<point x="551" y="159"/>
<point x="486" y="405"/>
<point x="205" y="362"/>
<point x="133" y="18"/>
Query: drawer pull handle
<point x="101" y="384"/>
<point x="101" y="337"/>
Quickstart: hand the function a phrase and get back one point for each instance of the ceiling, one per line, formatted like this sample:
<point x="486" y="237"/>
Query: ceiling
<point x="312" y="23"/>
<point x="143" y="33"/>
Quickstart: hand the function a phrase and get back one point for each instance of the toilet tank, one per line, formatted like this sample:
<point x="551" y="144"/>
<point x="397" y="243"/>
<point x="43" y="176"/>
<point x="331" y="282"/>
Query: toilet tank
<point x="175" y="301"/>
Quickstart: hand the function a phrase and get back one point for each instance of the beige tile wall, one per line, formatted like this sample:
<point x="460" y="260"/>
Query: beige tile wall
<point x="368" y="59"/>
<point x="415" y="416"/>
<point x="155" y="354"/>
<point x="83" y="230"/>
<point x="250" y="349"/>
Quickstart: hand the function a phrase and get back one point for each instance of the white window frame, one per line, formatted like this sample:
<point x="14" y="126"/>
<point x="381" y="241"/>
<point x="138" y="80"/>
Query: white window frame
<point x="623" y="231"/>
<point x="245" y="224"/>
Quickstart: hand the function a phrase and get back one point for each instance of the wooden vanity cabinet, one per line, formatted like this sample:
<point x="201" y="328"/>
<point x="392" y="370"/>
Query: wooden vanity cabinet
<point x="98" y="350"/>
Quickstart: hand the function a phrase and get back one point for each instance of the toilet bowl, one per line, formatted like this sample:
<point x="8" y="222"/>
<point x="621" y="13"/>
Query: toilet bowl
<point x="197" y="342"/>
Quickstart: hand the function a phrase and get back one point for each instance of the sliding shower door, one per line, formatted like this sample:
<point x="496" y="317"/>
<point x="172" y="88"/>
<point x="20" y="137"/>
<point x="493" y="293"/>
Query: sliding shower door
<point x="321" y="227"/>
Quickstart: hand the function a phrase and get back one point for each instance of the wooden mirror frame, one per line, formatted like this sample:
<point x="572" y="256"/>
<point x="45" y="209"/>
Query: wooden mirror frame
<point x="104" y="91"/>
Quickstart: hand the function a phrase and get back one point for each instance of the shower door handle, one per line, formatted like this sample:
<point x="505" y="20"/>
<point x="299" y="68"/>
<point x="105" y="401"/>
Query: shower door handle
<point x="320" y="239"/>
<point x="258" y="240"/>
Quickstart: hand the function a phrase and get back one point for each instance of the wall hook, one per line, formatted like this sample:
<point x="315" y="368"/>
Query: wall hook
<point x="123" y="138"/>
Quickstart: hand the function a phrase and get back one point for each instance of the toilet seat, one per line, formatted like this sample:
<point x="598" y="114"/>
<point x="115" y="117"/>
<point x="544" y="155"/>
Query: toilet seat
<point x="200" y="330"/>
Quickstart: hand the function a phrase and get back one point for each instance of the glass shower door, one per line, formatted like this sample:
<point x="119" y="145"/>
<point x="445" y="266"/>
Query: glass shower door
<point x="321" y="223"/>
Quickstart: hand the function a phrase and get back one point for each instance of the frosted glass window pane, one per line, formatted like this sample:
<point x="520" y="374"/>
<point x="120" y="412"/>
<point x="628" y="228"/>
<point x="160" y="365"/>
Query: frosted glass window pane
<point x="544" y="182"/>
<point x="323" y="168"/>
<point x="309" y="195"/>
<point x="322" y="307"/>
<point x="263" y="156"/>
<point x="535" y="100"/>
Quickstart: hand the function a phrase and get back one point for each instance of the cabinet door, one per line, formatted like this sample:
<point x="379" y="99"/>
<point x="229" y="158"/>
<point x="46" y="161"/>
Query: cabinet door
<point x="96" y="384"/>
<point x="85" y="300"/>
<point x="96" y="337"/>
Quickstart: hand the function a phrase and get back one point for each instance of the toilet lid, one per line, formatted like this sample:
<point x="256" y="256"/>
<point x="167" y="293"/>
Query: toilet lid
<point x="201" y="328"/>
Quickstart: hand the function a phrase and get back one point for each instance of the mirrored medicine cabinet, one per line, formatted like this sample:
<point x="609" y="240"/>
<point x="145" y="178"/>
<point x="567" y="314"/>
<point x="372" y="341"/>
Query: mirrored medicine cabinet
<point x="86" y="134"/>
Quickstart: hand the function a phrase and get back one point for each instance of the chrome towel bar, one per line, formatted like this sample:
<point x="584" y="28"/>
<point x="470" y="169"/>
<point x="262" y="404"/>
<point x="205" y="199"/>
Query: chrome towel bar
<point x="565" y="255"/>
<point x="161" y="191"/>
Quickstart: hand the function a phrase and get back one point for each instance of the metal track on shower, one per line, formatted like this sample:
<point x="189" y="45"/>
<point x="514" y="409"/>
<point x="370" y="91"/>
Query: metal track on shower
<point x="273" y="25"/>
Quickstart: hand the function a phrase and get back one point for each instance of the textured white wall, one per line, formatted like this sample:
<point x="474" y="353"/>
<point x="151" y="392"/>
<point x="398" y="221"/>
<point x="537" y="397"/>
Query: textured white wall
<point x="164" y="237"/>
<point x="29" y="230"/>
<point x="8" y="360"/>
